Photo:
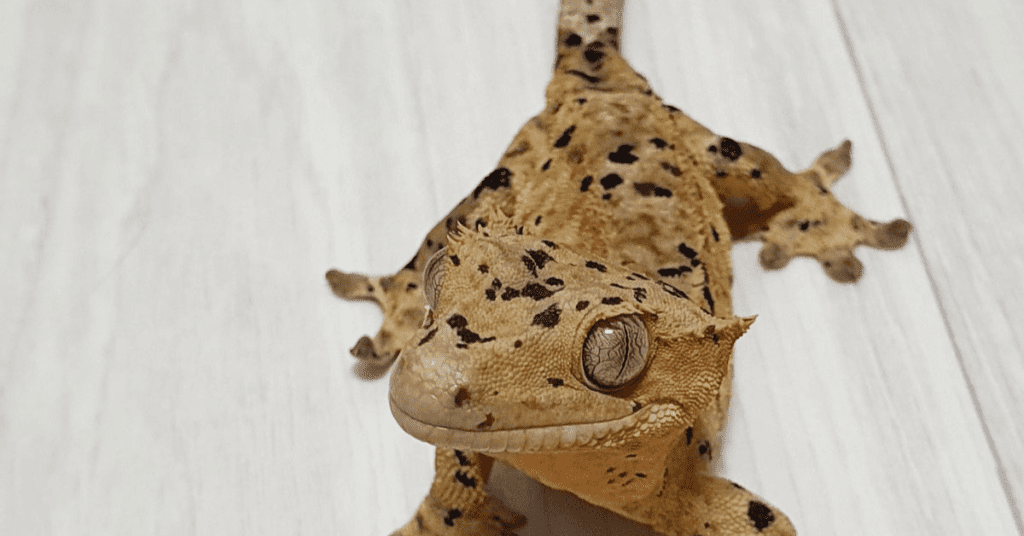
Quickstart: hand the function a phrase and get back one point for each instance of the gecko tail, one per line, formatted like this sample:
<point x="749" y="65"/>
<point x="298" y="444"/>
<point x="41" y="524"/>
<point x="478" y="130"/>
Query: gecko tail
<point x="589" y="21"/>
<point x="588" y="52"/>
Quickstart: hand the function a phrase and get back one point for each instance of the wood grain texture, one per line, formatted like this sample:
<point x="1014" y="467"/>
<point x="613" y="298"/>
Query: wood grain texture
<point x="176" y="177"/>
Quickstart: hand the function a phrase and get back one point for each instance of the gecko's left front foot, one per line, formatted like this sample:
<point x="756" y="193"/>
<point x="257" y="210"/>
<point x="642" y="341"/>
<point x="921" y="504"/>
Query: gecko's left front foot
<point x="796" y="213"/>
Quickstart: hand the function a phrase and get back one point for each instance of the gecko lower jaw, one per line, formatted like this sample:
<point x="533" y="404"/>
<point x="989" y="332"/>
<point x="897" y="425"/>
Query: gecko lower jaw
<point x="543" y="438"/>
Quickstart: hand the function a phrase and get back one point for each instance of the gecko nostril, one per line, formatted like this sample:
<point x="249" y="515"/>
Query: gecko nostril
<point x="461" y="397"/>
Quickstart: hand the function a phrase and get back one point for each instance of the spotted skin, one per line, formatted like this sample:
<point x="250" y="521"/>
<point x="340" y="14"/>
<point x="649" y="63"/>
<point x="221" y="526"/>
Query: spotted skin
<point x="609" y="208"/>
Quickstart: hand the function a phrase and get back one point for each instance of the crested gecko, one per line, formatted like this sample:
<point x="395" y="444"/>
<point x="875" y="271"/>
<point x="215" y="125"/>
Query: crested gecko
<point x="572" y="315"/>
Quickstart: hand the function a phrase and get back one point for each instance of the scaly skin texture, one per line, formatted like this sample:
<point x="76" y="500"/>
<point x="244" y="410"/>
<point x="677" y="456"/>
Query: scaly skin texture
<point x="579" y="322"/>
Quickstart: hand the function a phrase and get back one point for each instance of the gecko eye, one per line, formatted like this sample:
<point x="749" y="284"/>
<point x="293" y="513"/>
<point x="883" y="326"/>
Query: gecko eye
<point x="615" y="352"/>
<point x="432" y="275"/>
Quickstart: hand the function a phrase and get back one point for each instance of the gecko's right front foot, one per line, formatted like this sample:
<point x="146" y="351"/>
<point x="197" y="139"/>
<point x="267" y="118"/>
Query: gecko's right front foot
<point x="399" y="298"/>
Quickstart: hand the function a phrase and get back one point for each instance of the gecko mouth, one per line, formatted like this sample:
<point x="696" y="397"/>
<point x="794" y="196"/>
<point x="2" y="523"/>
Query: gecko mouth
<point x="542" y="438"/>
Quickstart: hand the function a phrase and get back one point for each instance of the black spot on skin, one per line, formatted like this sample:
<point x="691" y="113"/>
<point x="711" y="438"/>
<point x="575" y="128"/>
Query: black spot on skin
<point x="518" y="344"/>
<point x="712" y="149"/>
<point x="731" y="149"/>
<point x="737" y="486"/>
<point x="487" y="422"/>
<point x="455" y="260"/>
<point x="630" y="456"/>
<point x="480" y="223"/>
<point x="556" y="382"/>
<point x="496" y="283"/>
<point x="554" y="281"/>
<point x="637" y="406"/>
<point x="461" y="397"/>
<point x="639" y="294"/>
<point x="623" y="155"/>
<point x="536" y="220"/>
<point x="606" y="196"/>
<point x="675" y="171"/>
<point x="457" y="321"/>
<point x="622" y="474"/>
<point x="721" y="174"/>
<point x="709" y="299"/>
<point x="704" y="448"/>
<point x="426" y="338"/>
<point x="411" y="286"/>
<point x="419" y="522"/>
<point x="582" y="305"/>
<point x="463" y="460"/>
<point x="611" y="301"/>
<point x="610" y="470"/>
<point x="573" y="40"/>
<point x="585" y="183"/>
<point x="566" y="137"/>
<point x="689" y="435"/>
<point x="641" y="276"/>
<point x="509" y="294"/>
<point x="673" y="290"/>
<point x="593" y="18"/>
<point x="410" y="266"/>
<point x="499" y="178"/>
<point x="491" y="294"/>
<point x="581" y="101"/>
<point x="804" y="225"/>
<point x="537" y="292"/>
<point x="610" y="181"/>
<point x="483" y="268"/>
<point x="546" y="165"/>
<point x="548" y="317"/>
<point x="550" y="244"/>
<point x="540" y="257"/>
<point x="593" y="55"/>
<point x="671" y="108"/>
<point x="585" y="76"/>
<point x="596" y="266"/>
<point x="640" y="475"/>
<point x="674" y="272"/>
<point x="687" y="251"/>
<point x="648" y="189"/>
<point x="465" y="479"/>
<point x="755" y="173"/>
<point x="616" y="285"/>
<point x="760" y="515"/>
<point x="453" y="514"/>
<point x="530" y="265"/>
<point x="659" y="143"/>
<point x="714" y="234"/>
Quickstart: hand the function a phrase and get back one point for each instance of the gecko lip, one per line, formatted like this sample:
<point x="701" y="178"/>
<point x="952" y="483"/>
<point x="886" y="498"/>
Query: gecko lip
<point x="526" y="439"/>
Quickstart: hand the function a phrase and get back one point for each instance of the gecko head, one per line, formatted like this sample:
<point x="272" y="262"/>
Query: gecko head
<point x="529" y="346"/>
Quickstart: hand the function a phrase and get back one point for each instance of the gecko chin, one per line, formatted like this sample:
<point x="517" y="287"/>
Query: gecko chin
<point x="542" y="438"/>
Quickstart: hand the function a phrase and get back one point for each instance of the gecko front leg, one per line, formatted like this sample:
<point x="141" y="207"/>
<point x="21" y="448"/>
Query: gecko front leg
<point x="796" y="214"/>
<point x="458" y="504"/>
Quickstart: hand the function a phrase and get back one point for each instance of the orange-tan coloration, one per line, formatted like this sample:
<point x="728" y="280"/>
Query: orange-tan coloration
<point x="578" y="321"/>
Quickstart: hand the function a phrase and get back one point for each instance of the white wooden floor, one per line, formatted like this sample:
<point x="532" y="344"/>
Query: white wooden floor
<point x="175" y="177"/>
